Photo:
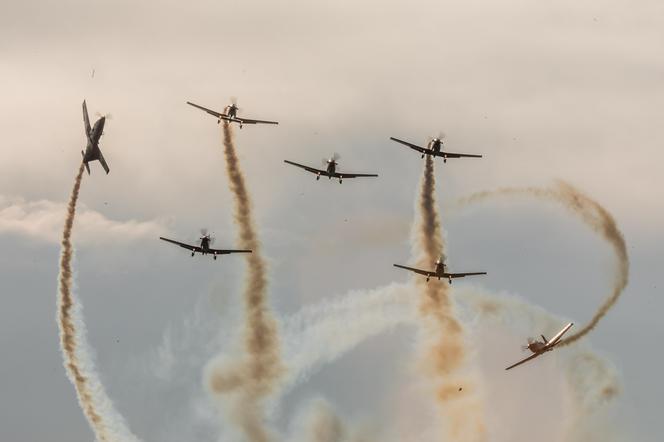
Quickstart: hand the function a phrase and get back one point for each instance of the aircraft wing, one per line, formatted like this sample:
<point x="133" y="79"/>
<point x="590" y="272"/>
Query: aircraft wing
<point x="412" y="269"/>
<point x="558" y="336"/>
<point x="353" y="175"/>
<point x="227" y="252"/>
<point x="181" y="244"/>
<point x="307" y="168"/>
<point x="412" y="146"/>
<point x="457" y="155"/>
<point x="533" y="356"/>
<point x="209" y="111"/>
<point x="86" y="120"/>
<point x="250" y="121"/>
<point x="103" y="162"/>
<point x="461" y="275"/>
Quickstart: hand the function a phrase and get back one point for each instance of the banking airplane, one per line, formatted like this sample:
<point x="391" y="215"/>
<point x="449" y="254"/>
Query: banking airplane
<point x="540" y="347"/>
<point x="204" y="248"/>
<point x="230" y="115"/>
<point x="439" y="272"/>
<point x="93" y="135"/>
<point x="435" y="148"/>
<point x="330" y="170"/>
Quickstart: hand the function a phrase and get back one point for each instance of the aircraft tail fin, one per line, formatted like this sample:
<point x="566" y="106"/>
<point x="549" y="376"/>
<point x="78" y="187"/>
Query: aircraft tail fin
<point x="87" y="166"/>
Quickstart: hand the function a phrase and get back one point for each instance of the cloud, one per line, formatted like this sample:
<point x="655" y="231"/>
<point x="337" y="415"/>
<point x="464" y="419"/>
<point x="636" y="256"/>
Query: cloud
<point x="42" y="220"/>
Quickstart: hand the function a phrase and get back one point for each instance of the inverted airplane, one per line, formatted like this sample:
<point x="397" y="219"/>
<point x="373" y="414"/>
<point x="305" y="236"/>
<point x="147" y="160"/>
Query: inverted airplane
<point x="330" y="170"/>
<point x="230" y="115"/>
<point x="540" y="347"/>
<point x="435" y="148"/>
<point x="439" y="272"/>
<point x="204" y="248"/>
<point x="93" y="135"/>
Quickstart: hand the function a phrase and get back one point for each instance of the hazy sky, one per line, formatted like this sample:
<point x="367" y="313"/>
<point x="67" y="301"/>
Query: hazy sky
<point x="543" y="90"/>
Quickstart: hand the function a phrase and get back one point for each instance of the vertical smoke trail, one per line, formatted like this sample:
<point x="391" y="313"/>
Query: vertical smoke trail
<point x="256" y="376"/>
<point x="593" y="215"/>
<point x="106" y="423"/>
<point x="446" y="355"/>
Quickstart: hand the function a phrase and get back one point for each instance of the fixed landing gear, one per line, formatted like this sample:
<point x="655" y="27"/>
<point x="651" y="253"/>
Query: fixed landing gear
<point x="215" y="257"/>
<point x="193" y="253"/>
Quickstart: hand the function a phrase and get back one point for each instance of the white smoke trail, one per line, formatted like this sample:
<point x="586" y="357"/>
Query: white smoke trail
<point x="106" y="423"/>
<point x="592" y="380"/>
<point x="362" y="313"/>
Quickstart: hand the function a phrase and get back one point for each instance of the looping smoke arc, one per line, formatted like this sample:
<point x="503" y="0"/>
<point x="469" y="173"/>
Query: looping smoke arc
<point x="446" y="354"/>
<point x="257" y="375"/>
<point x="106" y="423"/>
<point x="593" y="215"/>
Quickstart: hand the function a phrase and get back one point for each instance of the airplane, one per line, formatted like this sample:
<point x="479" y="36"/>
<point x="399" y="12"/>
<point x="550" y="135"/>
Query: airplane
<point x="540" y="347"/>
<point x="439" y="272"/>
<point x="93" y="134"/>
<point x="204" y="248"/>
<point x="435" y="148"/>
<point x="230" y="115"/>
<point x="330" y="170"/>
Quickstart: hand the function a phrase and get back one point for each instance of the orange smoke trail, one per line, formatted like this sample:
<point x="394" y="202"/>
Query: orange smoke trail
<point x="593" y="215"/>
<point x="256" y="376"/>
<point x="68" y="336"/>
<point x="447" y="353"/>
<point x="107" y="424"/>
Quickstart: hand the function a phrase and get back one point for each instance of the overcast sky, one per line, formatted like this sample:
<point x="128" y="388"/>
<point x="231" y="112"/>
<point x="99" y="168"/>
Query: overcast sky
<point x="543" y="90"/>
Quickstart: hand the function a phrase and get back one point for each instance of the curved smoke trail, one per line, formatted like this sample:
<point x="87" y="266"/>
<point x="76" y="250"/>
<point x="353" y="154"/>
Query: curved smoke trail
<point x="593" y="381"/>
<point x="256" y="376"/>
<point x="106" y="423"/>
<point x="593" y="215"/>
<point x="446" y="355"/>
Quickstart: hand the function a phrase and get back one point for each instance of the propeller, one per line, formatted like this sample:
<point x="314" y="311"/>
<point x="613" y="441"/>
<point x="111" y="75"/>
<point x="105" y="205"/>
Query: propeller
<point x="107" y="116"/>
<point x="206" y="234"/>
<point x="335" y="157"/>
<point x="440" y="136"/>
<point x="234" y="102"/>
<point x="530" y="341"/>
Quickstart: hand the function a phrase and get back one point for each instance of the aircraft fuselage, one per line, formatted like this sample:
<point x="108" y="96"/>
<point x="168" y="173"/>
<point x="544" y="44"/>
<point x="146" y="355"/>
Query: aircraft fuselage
<point x="92" y="148"/>
<point x="331" y="167"/>
<point x="537" y="347"/>
<point x="205" y="247"/>
<point x="231" y="111"/>
<point x="440" y="272"/>
<point x="436" y="147"/>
